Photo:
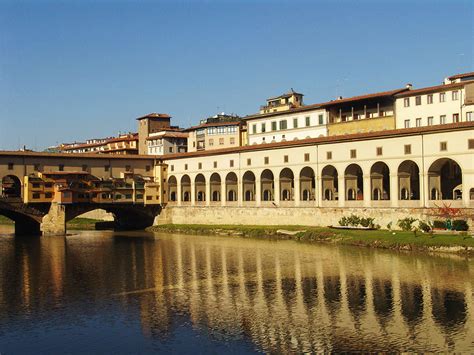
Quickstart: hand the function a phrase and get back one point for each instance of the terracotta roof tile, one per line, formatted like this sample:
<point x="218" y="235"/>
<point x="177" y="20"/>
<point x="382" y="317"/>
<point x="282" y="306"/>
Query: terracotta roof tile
<point x="155" y="115"/>
<point x="435" y="88"/>
<point x="461" y="76"/>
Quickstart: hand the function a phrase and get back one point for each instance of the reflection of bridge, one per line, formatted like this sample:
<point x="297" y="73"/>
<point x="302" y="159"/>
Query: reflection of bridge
<point x="41" y="192"/>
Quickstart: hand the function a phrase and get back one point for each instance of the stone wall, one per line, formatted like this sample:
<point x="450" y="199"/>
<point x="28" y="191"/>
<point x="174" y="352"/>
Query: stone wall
<point x="98" y="214"/>
<point x="308" y="216"/>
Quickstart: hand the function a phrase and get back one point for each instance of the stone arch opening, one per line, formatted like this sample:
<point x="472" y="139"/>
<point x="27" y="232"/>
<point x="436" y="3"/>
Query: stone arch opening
<point x="471" y="194"/>
<point x="215" y="182"/>
<point x="408" y="180"/>
<point x="287" y="185"/>
<point x="248" y="186"/>
<point x="330" y="182"/>
<point x="380" y="181"/>
<point x="172" y="188"/>
<point x="307" y="184"/>
<point x="267" y="183"/>
<point x="200" y="186"/>
<point x="186" y="188"/>
<point x="231" y="186"/>
<point x="354" y="181"/>
<point x="11" y="187"/>
<point x="445" y="180"/>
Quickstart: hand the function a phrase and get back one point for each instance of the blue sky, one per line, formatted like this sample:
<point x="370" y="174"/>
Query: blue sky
<point x="71" y="70"/>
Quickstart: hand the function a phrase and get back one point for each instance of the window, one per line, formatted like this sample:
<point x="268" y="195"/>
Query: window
<point x="321" y="119"/>
<point x="306" y="156"/>
<point x="106" y="167"/>
<point x="429" y="99"/>
<point x="199" y="166"/>
<point x="295" y="123"/>
<point x="185" y="166"/>
<point x="232" y="140"/>
<point x="418" y="122"/>
<point x="455" y="117"/>
<point x="418" y="100"/>
<point x="61" y="167"/>
<point x="254" y="129"/>
<point x="379" y="151"/>
<point x="249" y="162"/>
<point x="215" y="165"/>
<point x="10" y="166"/>
<point x="36" y="167"/>
<point x="36" y="185"/>
<point x="406" y="102"/>
<point x="469" y="116"/>
<point x="470" y="143"/>
<point x="442" y="119"/>
<point x="353" y="153"/>
<point x="274" y="126"/>
<point x="211" y="142"/>
<point x="283" y="124"/>
<point x="171" y="149"/>
<point x="172" y="167"/>
<point x="221" y="141"/>
<point x="407" y="148"/>
<point x="264" y="127"/>
<point x="443" y="146"/>
<point x="147" y="168"/>
<point x="455" y="95"/>
<point x="307" y="121"/>
<point x="84" y="167"/>
<point x="442" y="97"/>
<point x="285" y="159"/>
<point x="231" y="163"/>
<point x="36" y="195"/>
<point x="266" y="160"/>
<point x="430" y="121"/>
<point x="328" y="155"/>
<point x="48" y="195"/>
<point x="407" y="123"/>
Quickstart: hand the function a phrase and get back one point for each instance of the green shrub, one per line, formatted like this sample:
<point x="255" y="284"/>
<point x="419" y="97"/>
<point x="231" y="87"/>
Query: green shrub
<point x="406" y="223"/>
<point x="439" y="224"/>
<point x="389" y="226"/>
<point x="353" y="220"/>
<point x="367" y="222"/>
<point x="425" y="227"/>
<point x="343" y="221"/>
<point x="460" y="225"/>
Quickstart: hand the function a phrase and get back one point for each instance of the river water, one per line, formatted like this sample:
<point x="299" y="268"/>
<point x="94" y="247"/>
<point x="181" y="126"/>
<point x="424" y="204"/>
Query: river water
<point x="106" y="292"/>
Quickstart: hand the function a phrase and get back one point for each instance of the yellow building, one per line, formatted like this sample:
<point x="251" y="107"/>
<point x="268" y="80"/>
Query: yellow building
<point x="283" y="102"/>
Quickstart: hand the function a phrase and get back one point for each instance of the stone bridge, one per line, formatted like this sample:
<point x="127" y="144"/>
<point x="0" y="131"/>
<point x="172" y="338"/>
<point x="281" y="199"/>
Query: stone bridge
<point x="51" y="218"/>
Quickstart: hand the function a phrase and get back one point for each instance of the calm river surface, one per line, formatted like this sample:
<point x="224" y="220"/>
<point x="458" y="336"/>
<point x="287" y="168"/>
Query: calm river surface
<point x="105" y="292"/>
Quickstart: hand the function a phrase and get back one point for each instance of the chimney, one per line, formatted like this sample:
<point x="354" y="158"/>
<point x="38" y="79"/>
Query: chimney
<point x="339" y="98"/>
<point x="409" y="86"/>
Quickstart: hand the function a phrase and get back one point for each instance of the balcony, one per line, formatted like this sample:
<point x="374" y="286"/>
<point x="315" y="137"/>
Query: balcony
<point x="363" y="125"/>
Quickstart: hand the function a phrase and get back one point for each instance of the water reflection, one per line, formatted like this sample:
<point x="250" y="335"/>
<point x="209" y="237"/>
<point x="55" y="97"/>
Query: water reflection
<point x="280" y="296"/>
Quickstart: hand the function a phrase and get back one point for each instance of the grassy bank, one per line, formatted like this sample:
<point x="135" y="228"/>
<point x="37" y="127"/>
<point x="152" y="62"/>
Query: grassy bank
<point x="5" y="220"/>
<point x="82" y="223"/>
<point x="386" y="239"/>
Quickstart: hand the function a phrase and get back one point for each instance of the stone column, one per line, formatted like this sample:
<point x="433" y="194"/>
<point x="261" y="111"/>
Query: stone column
<point x="54" y="223"/>
<point x="240" y="192"/>
<point x="223" y="193"/>
<point x="367" y="191"/>
<point x="297" y="191"/>
<point x="341" y="191"/>
<point x="277" y="192"/>
<point x="465" y="190"/>
<point x="424" y="190"/>
<point x="207" y="197"/>
<point x="318" y="193"/>
<point x="394" y="190"/>
<point x="193" y="194"/>
<point x="258" y="192"/>
<point x="179" y="193"/>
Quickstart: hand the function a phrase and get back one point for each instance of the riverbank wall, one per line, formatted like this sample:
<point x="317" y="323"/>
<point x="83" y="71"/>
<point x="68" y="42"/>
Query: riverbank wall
<point x="305" y="216"/>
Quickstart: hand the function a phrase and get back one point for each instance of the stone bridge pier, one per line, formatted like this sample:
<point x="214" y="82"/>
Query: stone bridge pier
<point x="126" y="217"/>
